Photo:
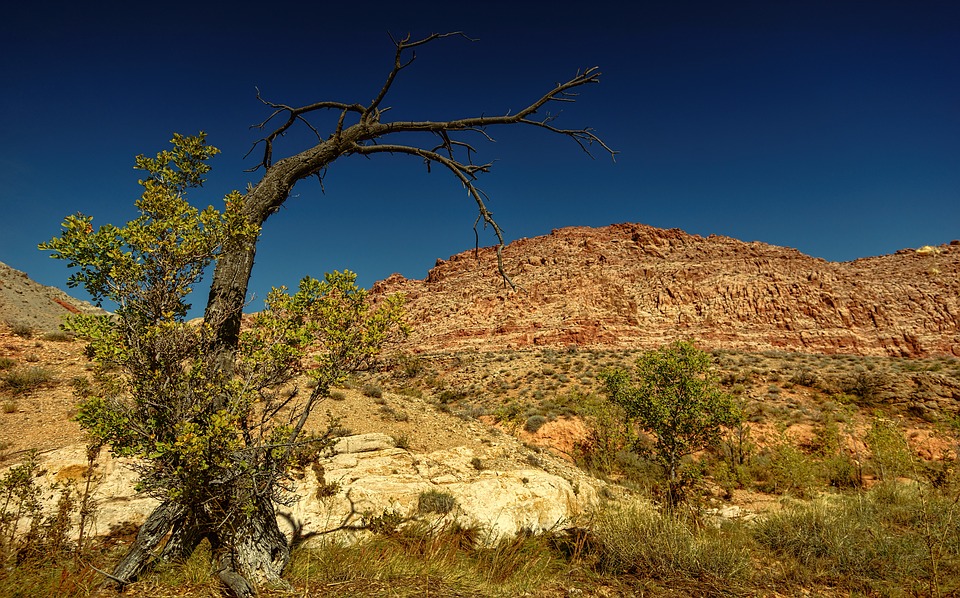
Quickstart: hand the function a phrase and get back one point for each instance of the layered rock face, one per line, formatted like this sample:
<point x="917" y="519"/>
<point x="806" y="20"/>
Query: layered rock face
<point x="632" y="285"/>
<point x="367" y="475"/>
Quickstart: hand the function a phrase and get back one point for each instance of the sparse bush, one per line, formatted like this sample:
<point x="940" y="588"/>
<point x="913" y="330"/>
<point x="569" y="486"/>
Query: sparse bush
<point x="643" y="541"/>
<point x="59" y="336"/>
<point x="867" y="385"/>
<point x="804" y="377"/>
<point x="889" y="452"/>
<point x="784" y="469"/>
<point x="24" y="380"/>
<point x="534" y="423"/>
<point x="372" y="390"/>
<point x="895" y="537"/>
<point x="338" y="395"/>
<point x="408" y="366"/>
<point x="434" y="501"/>
<point x="6" y="363"/>
<point x="22" y="330"/>
<point x="10" y="406"/>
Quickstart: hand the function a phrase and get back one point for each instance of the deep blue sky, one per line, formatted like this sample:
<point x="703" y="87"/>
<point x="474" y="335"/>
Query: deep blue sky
<point x="832" y="127"/>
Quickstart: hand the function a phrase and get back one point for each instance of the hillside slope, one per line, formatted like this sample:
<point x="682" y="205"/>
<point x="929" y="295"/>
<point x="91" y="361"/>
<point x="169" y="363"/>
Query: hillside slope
<point x="28" y="303"/>
<point x="632" y="285"/>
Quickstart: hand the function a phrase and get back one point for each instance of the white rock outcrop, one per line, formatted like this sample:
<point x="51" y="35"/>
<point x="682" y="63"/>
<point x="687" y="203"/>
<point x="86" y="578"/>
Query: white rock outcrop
<point x="365" y="475"/>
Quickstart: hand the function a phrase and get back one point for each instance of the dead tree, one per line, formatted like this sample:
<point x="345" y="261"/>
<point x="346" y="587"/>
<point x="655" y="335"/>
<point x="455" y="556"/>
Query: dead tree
<point x="256" y="552"/>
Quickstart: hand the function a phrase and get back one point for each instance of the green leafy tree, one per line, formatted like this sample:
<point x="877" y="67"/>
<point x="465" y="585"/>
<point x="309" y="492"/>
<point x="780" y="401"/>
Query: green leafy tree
<point x="198" y="402"/>
<point x="674" y="397"/>
<point x="214" y="445"/>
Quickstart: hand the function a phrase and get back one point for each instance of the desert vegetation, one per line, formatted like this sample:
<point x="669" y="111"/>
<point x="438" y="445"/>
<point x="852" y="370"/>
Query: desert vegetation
<point x="823" y="486"/>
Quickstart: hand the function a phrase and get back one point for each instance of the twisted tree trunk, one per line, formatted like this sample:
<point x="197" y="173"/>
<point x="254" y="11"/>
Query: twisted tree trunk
<point x="252" y="550"/>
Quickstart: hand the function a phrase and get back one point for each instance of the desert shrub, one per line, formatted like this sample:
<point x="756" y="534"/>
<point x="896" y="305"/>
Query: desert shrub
<point x="784" y="469"/>
<point x="338" y="395"/>
<point x="804" y="377"/>
<point x="434" y="501"/>
<point x="890" y="454"/>
<point x="21" y="330"/>
<point x="59" y="336"/>
<point x="894" y="537"/>
<point x="608" y="435"/>
<point x="372" y="390"/>
<point x="867" y="385"/>
<point x="452" y="395"/>
<point x="408" y="366"/>
<point x="6" y="363"/>
<point x="10" y="406"/>
<point x="642" y="541"/>
<point x="29" y="532"/>
<point x="534" y="423"/>
<point x="23" y="380"/>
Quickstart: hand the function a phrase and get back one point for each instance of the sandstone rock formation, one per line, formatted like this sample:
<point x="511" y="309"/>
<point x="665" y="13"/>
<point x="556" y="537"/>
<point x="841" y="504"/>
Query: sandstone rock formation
<point x="632" y="285"/>
<point x="367" y="475"/>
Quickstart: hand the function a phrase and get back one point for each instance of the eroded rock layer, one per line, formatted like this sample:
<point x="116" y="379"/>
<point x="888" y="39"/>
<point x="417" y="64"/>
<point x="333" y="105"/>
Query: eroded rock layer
<point x="632" y="285"/>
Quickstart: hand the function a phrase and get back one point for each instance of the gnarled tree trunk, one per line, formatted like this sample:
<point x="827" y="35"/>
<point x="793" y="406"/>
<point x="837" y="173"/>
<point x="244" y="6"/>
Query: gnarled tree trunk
<point x="252" y="550"/>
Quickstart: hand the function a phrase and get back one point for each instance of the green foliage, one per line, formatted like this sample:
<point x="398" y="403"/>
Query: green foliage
<point x="674" y="397"/>
<point x="534" y="423"/>
<point x="434" y="501"/>
<point x="889" y="452"/>
<point x="206" y="432"/>
<point x="643" y="541"/>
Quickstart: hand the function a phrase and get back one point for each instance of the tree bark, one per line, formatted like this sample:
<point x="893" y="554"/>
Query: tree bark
<point x="141" y="555"/>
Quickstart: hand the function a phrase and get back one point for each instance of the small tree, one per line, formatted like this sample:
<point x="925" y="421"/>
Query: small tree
<point x="199" y="402"/>
<point x="213" y="444"/>
<point x="675" y="399"/>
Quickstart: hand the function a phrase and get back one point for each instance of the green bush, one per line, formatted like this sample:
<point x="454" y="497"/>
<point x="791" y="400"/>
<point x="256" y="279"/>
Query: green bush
<point x="6" y="363"/>
<point x="890" y="454"/>
<point x="434" y="501"/>
<point x="676" y="399"/>
<point x="534" y="423"/>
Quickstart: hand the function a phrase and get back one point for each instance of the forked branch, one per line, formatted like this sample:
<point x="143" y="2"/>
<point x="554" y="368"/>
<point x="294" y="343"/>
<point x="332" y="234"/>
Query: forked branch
<point x="366" y="135"/>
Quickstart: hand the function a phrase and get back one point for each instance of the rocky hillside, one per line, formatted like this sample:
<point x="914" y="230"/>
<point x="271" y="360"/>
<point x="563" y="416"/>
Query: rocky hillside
<point x="632" y="285"/>
<point x="24" y="302"/>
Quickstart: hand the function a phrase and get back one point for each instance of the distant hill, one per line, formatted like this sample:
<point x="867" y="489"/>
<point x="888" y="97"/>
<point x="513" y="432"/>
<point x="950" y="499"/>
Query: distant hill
<point x="26" y="302"/>
<point x="632" y="285"/>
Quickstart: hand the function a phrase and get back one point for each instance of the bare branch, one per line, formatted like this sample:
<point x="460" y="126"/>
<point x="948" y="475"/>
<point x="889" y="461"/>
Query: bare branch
<point x="466" y="173"/>
<point x="398" y="65"/>
<point x="294" y="115"/>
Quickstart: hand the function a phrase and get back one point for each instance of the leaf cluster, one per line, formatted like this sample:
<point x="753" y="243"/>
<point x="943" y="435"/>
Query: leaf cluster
<point x="203" y="433"/>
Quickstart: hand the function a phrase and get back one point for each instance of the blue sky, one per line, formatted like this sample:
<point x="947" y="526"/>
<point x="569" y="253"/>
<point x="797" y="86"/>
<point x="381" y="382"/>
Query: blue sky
<point x="832" y="127"/>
